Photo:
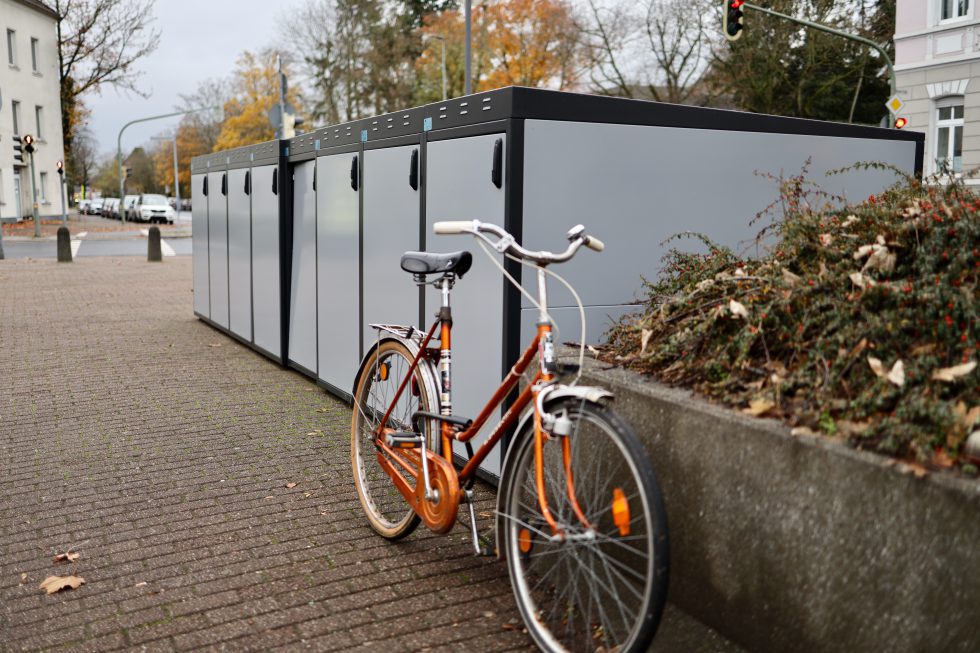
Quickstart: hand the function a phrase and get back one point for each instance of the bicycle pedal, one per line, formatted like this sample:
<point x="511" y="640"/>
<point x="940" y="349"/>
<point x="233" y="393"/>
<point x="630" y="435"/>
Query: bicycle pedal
<point x="403" y="440"/>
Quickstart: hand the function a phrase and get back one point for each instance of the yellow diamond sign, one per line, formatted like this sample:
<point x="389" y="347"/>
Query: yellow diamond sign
<point x="895" y="104"/>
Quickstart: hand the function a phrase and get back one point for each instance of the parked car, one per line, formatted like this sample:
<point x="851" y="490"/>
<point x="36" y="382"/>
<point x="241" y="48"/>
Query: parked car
<point x="95" y="208"/>
<point x="83" y="205"/>
<point x="129" y="207"/>
<point x="154" y="208"/>
<point x="110" y="208"/>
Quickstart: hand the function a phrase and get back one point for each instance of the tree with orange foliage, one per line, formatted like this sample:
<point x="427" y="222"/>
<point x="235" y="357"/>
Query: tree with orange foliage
<point x="515" y="42"/>
<point x="255" y="87"/>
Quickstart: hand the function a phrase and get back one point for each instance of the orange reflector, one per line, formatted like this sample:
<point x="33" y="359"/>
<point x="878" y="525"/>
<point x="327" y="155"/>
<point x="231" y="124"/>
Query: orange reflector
<point x="383" y="371"/>
<point x="621" y="512"/>
<point x="524" y="540"/>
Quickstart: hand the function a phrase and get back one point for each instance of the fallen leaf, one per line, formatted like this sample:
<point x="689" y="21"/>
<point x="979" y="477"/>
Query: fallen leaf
<point x="510" y="626"/>
<point x="215" y="344"/>
<point x="803" y="430"/>
<point x="876" y="366"/>
<point x="69" y="556"/>
<point x="758" y="407"/>
<point x="823" y="271"/>
<point x="790" y="279"/>
<point x="861" y="281"/>
<point x="942" y="459"/>
<point x="880" y="259"/>
<point x="851" y="219"/>
<point x="323" y="410"/>
<point x="53" y="584"/>
<point x="593" y="351"/>
<point x="896" y="376"/>
<point x="738" y="309"/>
<point x="847" y="427"/>
<point x="143" y="584"/>
<point x="307" y="494"/>
<point x="950" y="374"/>
<point x="645" y="339"/>
<point x="922" y="350"/>
<point x="915" y="469"/>
<point x="290" y="486"/>
<point x="23" y="578"/>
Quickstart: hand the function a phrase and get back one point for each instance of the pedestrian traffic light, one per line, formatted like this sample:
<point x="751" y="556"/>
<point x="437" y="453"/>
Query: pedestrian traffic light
<point x="900" y="122"/>
<point x="29" y="144"/>
<point x="61" y="167"/>
<point x="733" y="19"/>
<point x="18" y="149"/>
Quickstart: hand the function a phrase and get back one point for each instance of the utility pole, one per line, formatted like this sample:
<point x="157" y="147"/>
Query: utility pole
<point x="122" y="181"/>
<point x="468" y="11"/>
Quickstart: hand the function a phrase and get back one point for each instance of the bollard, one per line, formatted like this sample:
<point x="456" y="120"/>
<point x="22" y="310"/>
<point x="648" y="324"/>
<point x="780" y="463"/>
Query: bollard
<point x="154" y="253"/>
<point x="64" y="245"/>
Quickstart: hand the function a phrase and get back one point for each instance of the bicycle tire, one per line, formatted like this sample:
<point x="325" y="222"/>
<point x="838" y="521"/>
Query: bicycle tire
<point x="587" y="595"/>
<point x="386" y="509"/>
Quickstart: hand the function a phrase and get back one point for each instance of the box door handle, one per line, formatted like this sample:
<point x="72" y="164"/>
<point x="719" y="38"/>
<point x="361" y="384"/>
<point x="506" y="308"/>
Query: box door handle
<point x="413" y="171"/>
<point x="314" y="176"/>
<point x="353" y="173"/>
<point x="497" y="171"/>
<point x="275" y="181"/>
<point x="204" y="189"/>
<point x="224" y="183"/>
<point x="248" y="182"/>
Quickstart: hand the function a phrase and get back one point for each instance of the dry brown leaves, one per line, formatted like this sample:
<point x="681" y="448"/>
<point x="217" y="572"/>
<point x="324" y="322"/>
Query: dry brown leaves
<point x="53" y="584"/>
<point x="68" y="556"/>
<point x="951" y="374"/>
<point x="290" y="486"/>
<point x="758" y="407"/>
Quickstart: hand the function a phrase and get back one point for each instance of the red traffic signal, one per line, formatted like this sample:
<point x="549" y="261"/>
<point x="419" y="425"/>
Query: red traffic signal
<point x="733" y="19"/>
<point x="61" y="167"/>
<point x="28" y="143"/>
<point x="900" y="122"/>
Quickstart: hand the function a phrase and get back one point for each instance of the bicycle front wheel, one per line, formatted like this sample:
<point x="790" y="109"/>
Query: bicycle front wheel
<point x="595" y="587"/>
<point x="386" y="509"/>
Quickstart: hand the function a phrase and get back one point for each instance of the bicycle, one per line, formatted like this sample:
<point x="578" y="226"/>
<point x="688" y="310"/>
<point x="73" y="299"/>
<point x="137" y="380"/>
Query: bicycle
<point x="579" y="519"/>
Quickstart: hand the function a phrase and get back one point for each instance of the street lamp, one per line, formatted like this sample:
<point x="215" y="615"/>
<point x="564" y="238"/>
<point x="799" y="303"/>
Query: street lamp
<point x="442" y="40"/>
<point x="468" y="81"/>
<point x="176" y="173"/>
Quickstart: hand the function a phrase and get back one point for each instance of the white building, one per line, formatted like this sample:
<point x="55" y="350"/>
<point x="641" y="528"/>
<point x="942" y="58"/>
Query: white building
<point x="937" y="58"/>
<point x="30" y="103"/>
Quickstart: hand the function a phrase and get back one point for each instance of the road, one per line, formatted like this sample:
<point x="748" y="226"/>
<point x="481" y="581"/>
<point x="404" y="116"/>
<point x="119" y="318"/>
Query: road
<point x="85" y="244"/>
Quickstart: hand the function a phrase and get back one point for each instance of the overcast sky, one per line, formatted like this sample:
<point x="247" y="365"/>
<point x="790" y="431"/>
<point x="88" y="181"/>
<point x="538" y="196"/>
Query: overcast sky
<point x="200" y="39"/>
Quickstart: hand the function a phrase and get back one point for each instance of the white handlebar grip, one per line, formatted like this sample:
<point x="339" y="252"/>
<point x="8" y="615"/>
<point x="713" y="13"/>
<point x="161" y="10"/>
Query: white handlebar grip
<point x="453" y="227"/>
<point x="594" y="243"/>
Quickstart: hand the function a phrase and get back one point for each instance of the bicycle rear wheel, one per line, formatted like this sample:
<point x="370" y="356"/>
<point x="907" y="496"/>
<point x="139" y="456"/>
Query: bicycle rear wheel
<point x="594" y="589"/>
<point x="385" y="507"/>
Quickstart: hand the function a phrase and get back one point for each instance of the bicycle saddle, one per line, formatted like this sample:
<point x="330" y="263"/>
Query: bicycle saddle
<point x="432" y="263"/>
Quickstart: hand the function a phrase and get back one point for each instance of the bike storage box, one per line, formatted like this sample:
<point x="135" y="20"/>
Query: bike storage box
<point x="238" y="249"/>
<point x="536" y="162"/>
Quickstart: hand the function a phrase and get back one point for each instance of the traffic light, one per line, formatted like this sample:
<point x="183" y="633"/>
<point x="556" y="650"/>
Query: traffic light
<point x="733" y="19"/>
<point x="61" y="167"/>
<point x="18" y="149"/>
<point x="29" y="144"/>
<point x="900" y="122"/>
<point x="127" y="172"/>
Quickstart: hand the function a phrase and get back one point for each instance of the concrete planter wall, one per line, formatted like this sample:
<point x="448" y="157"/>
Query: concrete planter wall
<point x="787" y="543"/>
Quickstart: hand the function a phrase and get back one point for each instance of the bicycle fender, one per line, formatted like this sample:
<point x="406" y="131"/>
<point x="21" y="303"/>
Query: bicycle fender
<point x="592" y="394"/>
<point x="426" y="368"/>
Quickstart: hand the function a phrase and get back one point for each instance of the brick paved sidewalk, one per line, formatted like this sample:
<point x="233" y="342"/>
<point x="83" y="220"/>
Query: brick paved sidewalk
<point x="160" y="451"/>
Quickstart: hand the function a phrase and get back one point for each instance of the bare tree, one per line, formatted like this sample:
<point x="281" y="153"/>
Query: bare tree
<point x="656" y="49"/>
<point x="206" y="125"/>
<point x="82" y="159"/>
<point x="99" y="41"/>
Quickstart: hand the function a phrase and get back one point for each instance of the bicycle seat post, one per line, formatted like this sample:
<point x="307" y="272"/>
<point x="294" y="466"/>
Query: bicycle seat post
<point x="445" y="354"/>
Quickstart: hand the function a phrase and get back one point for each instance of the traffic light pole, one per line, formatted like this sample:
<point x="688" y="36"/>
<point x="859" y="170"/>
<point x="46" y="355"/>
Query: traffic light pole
<point x="122" y="181"/>
<point x="837" y="32"/>
<point x="37" y="222"/>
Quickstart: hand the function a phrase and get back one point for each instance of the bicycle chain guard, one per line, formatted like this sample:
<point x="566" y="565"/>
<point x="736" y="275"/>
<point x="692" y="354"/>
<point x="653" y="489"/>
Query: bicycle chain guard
<point x="439" y="516"/>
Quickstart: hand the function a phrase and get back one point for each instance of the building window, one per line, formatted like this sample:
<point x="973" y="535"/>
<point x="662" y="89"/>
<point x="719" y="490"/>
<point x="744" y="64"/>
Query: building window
<point x="44" y="187"/>
<point x="952" y="9"/>
<point x="34" y="55"/>
<point x="15" y="115"/>
<point x="39" y="118"/>
<point x="11" y="47"/>
<point x="949" y="134"/>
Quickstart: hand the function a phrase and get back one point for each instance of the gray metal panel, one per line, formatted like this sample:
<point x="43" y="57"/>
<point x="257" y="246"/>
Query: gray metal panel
<point x="391" y="227"/>
<point x="239" y="255"/>
<point x="458" y="187"/>
<point x="302" y="300"/>
<point x="218" y="249"/>
<point x="634" y="186"/>
<point x="265" y="262"/>
<point x="338" y="267"/>
<point x="199" y="240"/>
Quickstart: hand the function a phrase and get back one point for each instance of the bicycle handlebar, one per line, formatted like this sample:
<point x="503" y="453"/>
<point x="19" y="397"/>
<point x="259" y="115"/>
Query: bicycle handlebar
<point x="508" y="245"/>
